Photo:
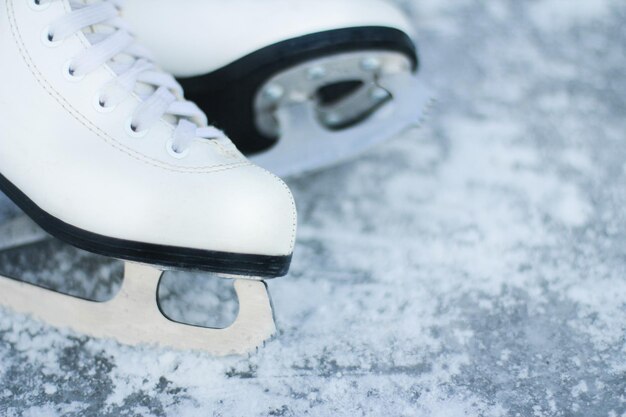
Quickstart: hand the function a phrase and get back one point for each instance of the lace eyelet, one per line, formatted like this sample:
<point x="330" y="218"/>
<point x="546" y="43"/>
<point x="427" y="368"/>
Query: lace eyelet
<point x="132" y="131"/>
<point x="48" y="39"/>
<point x="169" y="146"/>
<point x="70" y="74"/>
<point x="38" y="4"/>
<point x="101" y="106"/>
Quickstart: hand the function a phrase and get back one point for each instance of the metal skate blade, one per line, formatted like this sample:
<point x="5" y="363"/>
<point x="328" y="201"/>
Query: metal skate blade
<point x="375" y="96"/>
<point x="306" y="145"/>
<point x="20" y="231"/>
<point x="134" y="316"/>
<point x="60" y="267"/>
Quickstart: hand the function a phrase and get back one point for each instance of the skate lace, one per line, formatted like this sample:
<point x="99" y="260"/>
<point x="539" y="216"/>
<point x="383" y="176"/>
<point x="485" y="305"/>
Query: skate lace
<point x="111" y="43"/>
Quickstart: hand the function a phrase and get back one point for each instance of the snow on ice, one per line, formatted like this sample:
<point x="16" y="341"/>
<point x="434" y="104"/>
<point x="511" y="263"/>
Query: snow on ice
<point x="474" y="267"/>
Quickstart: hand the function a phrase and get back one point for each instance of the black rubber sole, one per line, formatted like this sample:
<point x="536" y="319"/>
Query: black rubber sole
<point x="167" y="256"/>
<point x="227" y="95"/>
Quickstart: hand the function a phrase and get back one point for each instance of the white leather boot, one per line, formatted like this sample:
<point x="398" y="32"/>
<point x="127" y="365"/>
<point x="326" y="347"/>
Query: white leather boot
<point x="297" y="84"/>
<point x="101" y="150"/>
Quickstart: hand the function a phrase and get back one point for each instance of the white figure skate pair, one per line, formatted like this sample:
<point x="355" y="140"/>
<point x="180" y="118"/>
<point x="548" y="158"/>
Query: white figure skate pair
<point x="101" y="150"/>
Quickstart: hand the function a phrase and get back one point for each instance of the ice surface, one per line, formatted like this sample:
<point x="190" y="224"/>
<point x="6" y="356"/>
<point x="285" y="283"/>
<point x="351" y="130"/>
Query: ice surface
<point x="474" y="267"/>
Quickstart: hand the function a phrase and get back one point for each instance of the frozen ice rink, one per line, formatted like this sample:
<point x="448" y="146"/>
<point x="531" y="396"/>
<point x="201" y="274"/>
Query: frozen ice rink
<point x="473" y="267"/>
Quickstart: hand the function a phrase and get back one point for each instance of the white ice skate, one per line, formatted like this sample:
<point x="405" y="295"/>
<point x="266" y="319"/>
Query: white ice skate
<point x="100" y="149"/>
<point x="297" y="84"/>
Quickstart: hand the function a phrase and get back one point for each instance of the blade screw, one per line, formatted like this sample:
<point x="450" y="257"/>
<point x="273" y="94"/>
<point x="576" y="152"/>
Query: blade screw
<point x="273" y="92"/>
<point x="316" y="73"/>
<point x="370" y="64"/>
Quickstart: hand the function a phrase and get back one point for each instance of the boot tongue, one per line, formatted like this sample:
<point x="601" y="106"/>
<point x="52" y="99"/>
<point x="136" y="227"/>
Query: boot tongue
<point x="121" y="62"/>
<point x="97" y="33"/>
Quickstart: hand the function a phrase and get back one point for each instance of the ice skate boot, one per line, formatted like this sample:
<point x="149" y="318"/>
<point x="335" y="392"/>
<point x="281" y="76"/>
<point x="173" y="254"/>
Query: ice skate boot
<point x="297" y="84"/>
<point x="102" y="151"/>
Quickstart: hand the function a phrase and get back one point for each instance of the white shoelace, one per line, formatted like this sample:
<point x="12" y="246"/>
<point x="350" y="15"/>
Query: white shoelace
<point x="112" y="44"/>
